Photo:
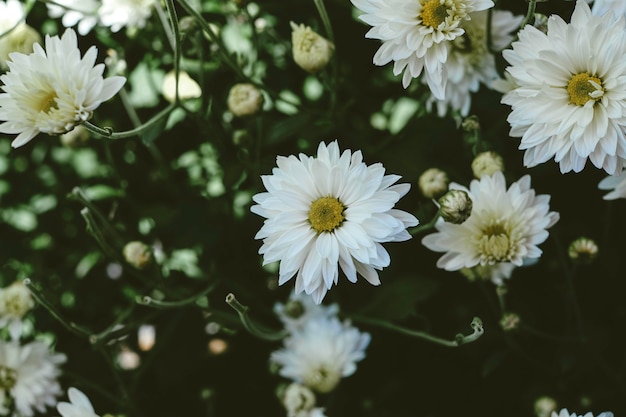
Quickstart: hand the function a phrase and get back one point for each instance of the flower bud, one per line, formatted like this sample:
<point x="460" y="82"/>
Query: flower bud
<point x="244" y="100"/>
<point x="187" y="87"/>
<point x="509" y="321"/>
<point x="583" y="250"/>
<point x="311" y="51"/>
<point x="487" y="163"/>
<point x="138" y="254"/>
<point x="470" y="124"/>
<point x="433" y="182"/>
<point x="544" y="406"/>
<point x="298" y="398"/>
<point x="21" y="39"/>
<point x="15" y="301"/>
<point x="76" y="137"/>
<point x="455" y="206"/>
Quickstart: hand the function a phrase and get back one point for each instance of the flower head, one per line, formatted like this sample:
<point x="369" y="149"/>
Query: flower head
<point x="117" y="14"/>
<point x="79" y="405"/>
<point x="505" y="226"/>
<point x="601" y="7"/>
<point x="244" y="100"/>
<point x="187" y="86"/>
<point x="15" y="35"/>
<point x="565" y="413"/>
<point x="570" y="100"/>
<point x="455" y="206"/>
<point x="311" y="51"/>
<point x="300" y="308"/>
<point x="616" y="183"/>
<point x="486" y="163"/>
<point x="15" y="302"/>
<point x="433" y="182"/>
<point x="327" y="212"/>
<point x="52" y="90"/>
<point x="416" y="35"/>
<point x="80" y="13"/>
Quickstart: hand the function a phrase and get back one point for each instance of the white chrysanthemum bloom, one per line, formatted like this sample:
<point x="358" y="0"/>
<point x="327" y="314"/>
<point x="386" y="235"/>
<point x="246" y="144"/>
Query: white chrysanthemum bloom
<point x="327" y="212"/>
<point x="321" y="353"/>
<point x="15" y="35"/>
<point x="601" y="7"/>
<point x="616" y="183"/>
<point x="187" y="86"/>
<point x="416" y="35"/>
<point x="570" y="103"/>
<point x="15" y="302"/>
<point x="79" y="405"/>
<point x="80" y="13"/>
<point x="470" y="63"/>
<point x="28" y="374"/>
<point x="301" y="308"/>
<point x="117" y="14"/>
<point x="54" y="90"/>
<point x="565" y="413"/>
<point x="505" y="226"/>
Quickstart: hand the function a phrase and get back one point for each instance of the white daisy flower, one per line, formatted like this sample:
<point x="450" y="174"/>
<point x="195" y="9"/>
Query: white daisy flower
<point x="28" y="374"/>
<point x="617" y="183"/>
<point x="505" y="226"/>
<point x="301" y="308"/>
<point x="80" y="13"/>
<point x="327" y="212"/>
<point x="601" y="7"/>
<point x="79" y="405"/>
<point x="54" y="90"/>
<point x="117" y="14"/>
<point x="321" y="353"/>
<point x="570" y="99"/>
<point x="470" y="62"/>
<point x="416" y="34"/>
<point x="565" y="413"/>
<point x="15" y="302"/>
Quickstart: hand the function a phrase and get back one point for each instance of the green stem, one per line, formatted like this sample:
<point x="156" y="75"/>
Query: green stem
<point x="165" y="22"/>
<point x="250" y="325"/>
<point x="151" y="302"/>
<point x="425" y="227"/>
<point x="321" y="9"/>
<point x="530" y="13"/>
<point x="459" y="339"/>
<point x="177" y="46"/>
<point x="94" y="230"/>
<point x="108" y="133"/>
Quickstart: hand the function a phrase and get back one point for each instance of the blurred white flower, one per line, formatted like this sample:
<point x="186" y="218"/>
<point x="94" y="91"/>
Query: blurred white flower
<point x="244" y="99"/>
<point x="321" y="353"/>
<point x="117" y="14"/>
<point x="416" y="35"/>
<point x="80" y="13"/>
<point x="505" y="226"/>
<point x="570" y="99"/>
<point x="15" y="302"/>
<point x="327" y="212"/>
<point x="79" y="405"/>
<point x="28" y="375"/>
<point x="11" y="14"/>
<point x="311" y="51"/>
<point x="565" y="413"/>
<point x="54" y="90"/>
<point x="301" y="308"/>
<point x="616" y="183"/>
<point x="298" y="399"/>
<point x="15" y="35"/>
<point x="600" y="7"/>
<point x="187" y="86"/>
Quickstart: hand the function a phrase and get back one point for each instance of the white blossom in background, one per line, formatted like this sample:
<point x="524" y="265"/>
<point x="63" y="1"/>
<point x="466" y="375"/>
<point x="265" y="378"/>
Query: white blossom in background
<point x="329" y="212"/>
<point x="15" y="34"/>
<point x="187" y="87"/>
<point x="470" y="63"/>
<point x="299" y="401"/>
<point x="80" y="13"/>
<point x="570" y="99"/>
<point x="615" y="183"/>
<point x="301" y="308"/>
<point x="28" y="376"/>
<point x="52" y="90"/>
<point x="15" y="302"/>
<point x="322" y="352"/>
<point x="565" y="413"/>
<point x="311" y="51"/>
<point x="601" y="7"/>
<point x="117" y="14"/>
<point x="416" y="35"/>
<point x="505" y="226"/>
<point x="79" y="405"/>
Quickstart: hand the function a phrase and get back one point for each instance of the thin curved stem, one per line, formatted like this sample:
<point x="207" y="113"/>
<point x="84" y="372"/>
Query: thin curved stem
<point x="250" y="326"/>
<point x="108" y="133"/>
<point x="151" y="302"/>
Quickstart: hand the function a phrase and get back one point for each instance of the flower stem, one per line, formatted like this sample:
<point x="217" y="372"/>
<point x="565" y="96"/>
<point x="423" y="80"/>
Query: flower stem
<point x="151" y="302"/>
<point x="250" y="325"/>
<point x="108" y="133"/>
<point x="426" y="226"/>
<point x="530" y="13"/>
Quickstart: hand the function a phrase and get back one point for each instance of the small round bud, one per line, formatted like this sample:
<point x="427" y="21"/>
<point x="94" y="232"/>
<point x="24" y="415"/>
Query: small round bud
<point x="187" y="24"/>
<point x="311" y="51"/>
<point x="509" y="321"/>
<point x="583" y="250"/>
<point x="187" y="87"/>
<point x="470" y="124"/>
<point x="244" y="100"/>
<point x="541" y="22"/>
<point x="433" y="182"/>
<point x="455" y="206"/>
<point x="15" y="301"/>
<point x="544" y="406"/>
<point x="487" y="163"/>
<point x="21" y="39"/>
<point x="298" y="398"/>
<point x="76" y="137"/>
<point x="138" y="254"/>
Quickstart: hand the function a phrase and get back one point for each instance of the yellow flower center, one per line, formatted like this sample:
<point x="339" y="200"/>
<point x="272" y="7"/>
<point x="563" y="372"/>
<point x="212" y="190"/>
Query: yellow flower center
<point x="584" y="87"/>
<point x="48" y="102"/>
<point x="434" y="13"/>
<point x="8" y="377"/>
<point x="495" y="243"/>
<point x="326" y="214"/>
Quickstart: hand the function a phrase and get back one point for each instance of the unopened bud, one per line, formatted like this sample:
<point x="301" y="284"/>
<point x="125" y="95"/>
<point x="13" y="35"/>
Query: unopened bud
<point x="298" y="398"/>
<point x="15" y="301"/>
<point x="583" y="250"/>
<point x="311" y="51"/>
<point x="455" y="206"/>
<point x="433" y="182"/>
<point x="294" y="309"/>
<point x="470" y="124"/>
<point x="21" y="39"/>
<point x="487" y="163"/>
<point x="138" y="254"/>
<point x="76" y="137"/>
<point x="544" y="406"/>
<point x="187" y="86"/>
<point x="541" y="22"/>
<point x="244" y="100"/>
<point x="509" y="321"/>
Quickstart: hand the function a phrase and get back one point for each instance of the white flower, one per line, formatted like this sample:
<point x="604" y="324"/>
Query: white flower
<point x="301" y="308"/>
<point x="565" y="413"/>
<point x="11" y="14"/>
<point x="505" y="226"/>
<point x="327" y="212"/>
<point x="570" y="99"/>
<point x="321" y="353"/>
<point x="416" y="33"/>
<point x="15" y="302"/>
<point x="79" y="405"/>
<point x="15" y="35"/>
<point x="600" y="7"/>
<point x="80" y="13"/>
<point x="54" y="90"/>
<point x="617" y="183"/>
<point x="28" y="374"/>
<point x="469" y="61"/>
<point x="130" y="13"/>
<point x="187" y="86"/>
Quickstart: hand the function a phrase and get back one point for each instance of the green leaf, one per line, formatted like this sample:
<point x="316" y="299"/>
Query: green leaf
<point x="102" y="192"/>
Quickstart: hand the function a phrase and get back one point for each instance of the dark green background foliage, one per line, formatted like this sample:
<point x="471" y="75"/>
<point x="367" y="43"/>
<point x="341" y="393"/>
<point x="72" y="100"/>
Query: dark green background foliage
<point x="154" y="189"/>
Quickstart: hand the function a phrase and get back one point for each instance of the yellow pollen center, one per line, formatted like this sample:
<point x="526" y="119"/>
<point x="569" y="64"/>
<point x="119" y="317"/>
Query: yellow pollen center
<point x="495" y="244"/>
<point x="326" y="214"/>
<point x="581" y="89"/>
<point x="434" y="13"/>
<point x="48" y="102"/>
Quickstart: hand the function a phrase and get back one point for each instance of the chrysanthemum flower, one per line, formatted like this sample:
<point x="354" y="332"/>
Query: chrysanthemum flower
<point x="54" y="90"/>
<point x="125" y="13"/>
<point x="79" y="405"/>
<point x="321" y="353"/>
<point x="28" y="374"/>
<point x="565" y="413"/>
<point x="301" y="308"/>
<point x="327" y="212"/>
<point x="15" y="35"/>
<point x="505" y="226"/>
<point x="80" y="13"/>
<point x="616" y="183"/>
<point x="15" y="302"/>
<point x="416" y="34"/>
<point x="570" y="99"/>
